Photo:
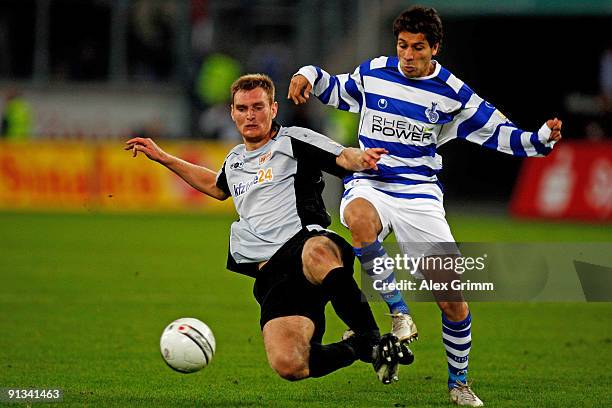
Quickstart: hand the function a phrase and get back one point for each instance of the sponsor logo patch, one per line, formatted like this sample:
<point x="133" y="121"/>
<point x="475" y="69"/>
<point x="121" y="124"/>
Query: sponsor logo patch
<point x="262" y="176"/>
<point x="237" y="165"/>
<point x="402" y="129"/>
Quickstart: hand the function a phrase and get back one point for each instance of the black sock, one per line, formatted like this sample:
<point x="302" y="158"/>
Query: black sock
<point x="346" y="298"/>
<point x="329" y="358"/>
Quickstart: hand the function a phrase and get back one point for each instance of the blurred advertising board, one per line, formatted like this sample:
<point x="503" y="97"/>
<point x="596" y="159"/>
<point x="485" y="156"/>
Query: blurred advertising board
<point x="574" y="182"/>
<point x="75" y="176"/>
<point x="89" y="112"/>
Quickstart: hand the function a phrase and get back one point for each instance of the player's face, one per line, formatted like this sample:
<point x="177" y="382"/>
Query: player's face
<point x="253" y="114"/>
<point x="415" y="54"/>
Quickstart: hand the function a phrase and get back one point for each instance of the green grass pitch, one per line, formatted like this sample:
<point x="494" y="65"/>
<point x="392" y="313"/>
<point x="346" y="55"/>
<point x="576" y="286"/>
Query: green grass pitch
<point x="83" y="300"/>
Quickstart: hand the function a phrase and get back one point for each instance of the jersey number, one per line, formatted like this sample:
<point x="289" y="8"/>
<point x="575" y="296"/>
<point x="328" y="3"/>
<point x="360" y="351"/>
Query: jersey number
<point x="264" y="175"/>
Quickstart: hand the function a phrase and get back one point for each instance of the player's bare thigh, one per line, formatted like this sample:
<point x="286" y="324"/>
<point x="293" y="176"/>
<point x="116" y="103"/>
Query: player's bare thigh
<point x="363" y="221"/>
<point x="287" y="343"/>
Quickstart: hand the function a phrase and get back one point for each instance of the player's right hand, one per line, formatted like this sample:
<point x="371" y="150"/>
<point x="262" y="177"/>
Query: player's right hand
<point x="147" y="146"/>
<point x="299" y="89"/>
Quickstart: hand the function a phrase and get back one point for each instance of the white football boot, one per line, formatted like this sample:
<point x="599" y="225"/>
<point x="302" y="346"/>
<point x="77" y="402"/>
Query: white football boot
<point x="403" y="327"/>
<point x="463" y="395"/>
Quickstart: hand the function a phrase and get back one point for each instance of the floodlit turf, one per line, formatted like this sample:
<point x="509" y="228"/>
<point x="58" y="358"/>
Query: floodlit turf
<point x="83" y="300"/>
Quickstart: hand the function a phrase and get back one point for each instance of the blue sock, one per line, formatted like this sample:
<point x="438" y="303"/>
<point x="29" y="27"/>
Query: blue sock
<point x="366" y="256"/>
<point x="457" y="339"/>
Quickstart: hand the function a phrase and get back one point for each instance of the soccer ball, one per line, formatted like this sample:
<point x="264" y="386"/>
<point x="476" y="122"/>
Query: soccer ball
<point x="187" y="345"/>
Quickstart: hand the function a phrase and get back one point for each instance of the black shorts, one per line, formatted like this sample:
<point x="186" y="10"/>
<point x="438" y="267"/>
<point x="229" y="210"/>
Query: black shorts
<point x="281" y="289"/>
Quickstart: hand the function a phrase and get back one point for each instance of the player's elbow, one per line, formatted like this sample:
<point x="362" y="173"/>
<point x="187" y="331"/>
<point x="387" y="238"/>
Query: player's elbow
<point x="213" y="191"/>
<point x="221" y="196"/>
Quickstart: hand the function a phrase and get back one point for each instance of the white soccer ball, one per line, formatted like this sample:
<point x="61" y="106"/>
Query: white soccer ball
<point x="187" y="345"/>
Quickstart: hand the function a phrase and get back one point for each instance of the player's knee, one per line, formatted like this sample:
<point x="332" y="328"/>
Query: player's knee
<point x="363" y="223"/>
<point x="454" y="311"/>
<point x="362" y="231"/>
<point x="289" y="368"/>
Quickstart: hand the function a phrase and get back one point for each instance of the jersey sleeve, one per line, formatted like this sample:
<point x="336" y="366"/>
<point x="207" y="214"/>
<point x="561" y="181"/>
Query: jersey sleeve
<point x="222" y="181"/>
<point x="480" y="122"/>
<point x="317" y="150"/>
<point x="342" y="91"/>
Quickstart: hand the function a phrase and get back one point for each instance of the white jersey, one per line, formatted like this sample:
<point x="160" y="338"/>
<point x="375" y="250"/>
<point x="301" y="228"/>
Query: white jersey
<point x="276" y="190"/>
<point x="411" y="117"/>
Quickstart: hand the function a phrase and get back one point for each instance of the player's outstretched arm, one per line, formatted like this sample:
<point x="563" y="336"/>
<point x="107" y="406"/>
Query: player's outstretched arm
<point x="342" y="91"/>
<point x="481" y="123"/>
<point x="198" y="177"/>
<point x="354" y="159"/>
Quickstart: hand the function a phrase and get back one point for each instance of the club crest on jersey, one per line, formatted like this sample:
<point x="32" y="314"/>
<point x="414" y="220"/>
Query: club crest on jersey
<point x="264" y="158"/>
<point x="431" y="113"/>
<point x="382" y="103"/>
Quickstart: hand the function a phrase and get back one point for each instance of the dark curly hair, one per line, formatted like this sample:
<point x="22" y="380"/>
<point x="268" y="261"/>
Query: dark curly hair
<point x="419" y="19"/>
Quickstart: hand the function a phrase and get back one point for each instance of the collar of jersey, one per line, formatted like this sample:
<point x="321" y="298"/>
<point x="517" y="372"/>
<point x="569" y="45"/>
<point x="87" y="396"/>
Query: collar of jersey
<point x="435" y="73"/>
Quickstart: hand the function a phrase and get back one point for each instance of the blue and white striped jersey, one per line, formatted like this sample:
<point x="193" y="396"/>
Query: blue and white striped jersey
<point x="411" y="117"/>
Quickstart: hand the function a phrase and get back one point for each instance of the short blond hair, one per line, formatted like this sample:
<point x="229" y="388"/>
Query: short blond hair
<point x="251" y="81"/>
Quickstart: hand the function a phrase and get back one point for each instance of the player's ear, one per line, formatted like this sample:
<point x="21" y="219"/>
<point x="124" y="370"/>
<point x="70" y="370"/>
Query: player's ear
<point x="274" y="108"/>
<point x="434" y="49"/>
<point x="232" y="112"/>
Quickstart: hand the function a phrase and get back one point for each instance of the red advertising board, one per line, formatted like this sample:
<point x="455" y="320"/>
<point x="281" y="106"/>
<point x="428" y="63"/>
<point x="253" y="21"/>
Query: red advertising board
<point x="79" y="176"/>
<point x="573" y="182"/>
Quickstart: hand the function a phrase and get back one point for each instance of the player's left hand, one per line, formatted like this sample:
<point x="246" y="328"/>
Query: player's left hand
<point x="555" y="127"/>
<point x="370" y="157"/>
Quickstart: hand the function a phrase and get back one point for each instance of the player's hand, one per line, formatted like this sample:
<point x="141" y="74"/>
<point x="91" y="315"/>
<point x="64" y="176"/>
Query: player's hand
<point x="148" y="147"/>
<point x="555" y="127"/>
<point x="370" y="157"/>
<point x="299" y="89"/>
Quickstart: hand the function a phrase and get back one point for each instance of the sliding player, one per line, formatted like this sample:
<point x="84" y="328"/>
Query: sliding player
<point x="275" y="181"/>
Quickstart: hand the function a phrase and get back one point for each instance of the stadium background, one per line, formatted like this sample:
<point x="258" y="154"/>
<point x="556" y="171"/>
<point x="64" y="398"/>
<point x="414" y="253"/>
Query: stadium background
<point x="99" y="251"/>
